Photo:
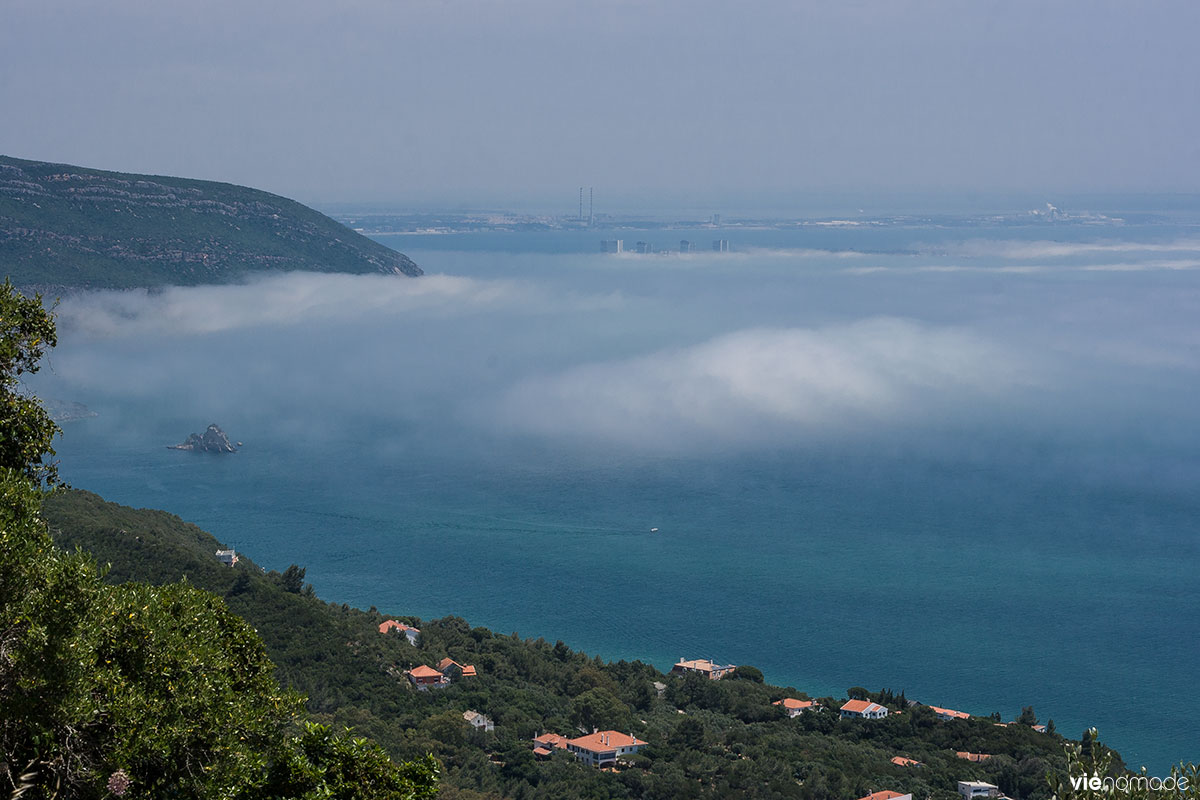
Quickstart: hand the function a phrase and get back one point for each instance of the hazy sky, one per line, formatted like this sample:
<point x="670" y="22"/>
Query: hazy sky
<point x="460" y="101"/>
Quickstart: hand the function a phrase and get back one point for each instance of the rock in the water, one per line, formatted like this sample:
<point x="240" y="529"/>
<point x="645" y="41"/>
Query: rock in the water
<point x="212" y="440"/>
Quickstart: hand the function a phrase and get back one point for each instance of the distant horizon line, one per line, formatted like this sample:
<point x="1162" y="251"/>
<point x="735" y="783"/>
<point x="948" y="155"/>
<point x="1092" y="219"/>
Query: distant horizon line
<point x="774" y="204"/>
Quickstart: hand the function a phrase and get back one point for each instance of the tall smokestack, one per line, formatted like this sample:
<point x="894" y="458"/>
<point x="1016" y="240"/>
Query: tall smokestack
<point x="581" y="204"/>
<point x="591" y="191"/>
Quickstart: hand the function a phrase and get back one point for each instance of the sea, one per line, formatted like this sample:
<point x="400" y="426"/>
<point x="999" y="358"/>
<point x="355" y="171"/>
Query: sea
<point x="957" y="456"/>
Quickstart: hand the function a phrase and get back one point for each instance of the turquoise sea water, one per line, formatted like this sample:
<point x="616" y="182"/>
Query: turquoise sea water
<point x="1030" y="543"/>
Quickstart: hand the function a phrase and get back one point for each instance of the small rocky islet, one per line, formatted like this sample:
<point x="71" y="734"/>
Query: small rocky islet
<point x="213" y="440"/>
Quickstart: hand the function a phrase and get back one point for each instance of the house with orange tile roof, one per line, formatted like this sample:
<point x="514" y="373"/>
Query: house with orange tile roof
<point x="949" y="713"/>
<point x="795" y="708"/>
<point x="425" y="678"/>
<point x="603" y="748"/>
<point x="547" y="743"/>
<point x="702" y="666"/>
<point x="409" y="631"/>
<point x="902" y="761"/>
<point x="451" y="668"/>
<point x="863" y="709"/>
<point x="887" y="794"/>
<point x="976" y="757"/>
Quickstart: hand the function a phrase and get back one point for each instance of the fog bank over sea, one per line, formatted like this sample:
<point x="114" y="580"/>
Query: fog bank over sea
<point x="959" y="461"/>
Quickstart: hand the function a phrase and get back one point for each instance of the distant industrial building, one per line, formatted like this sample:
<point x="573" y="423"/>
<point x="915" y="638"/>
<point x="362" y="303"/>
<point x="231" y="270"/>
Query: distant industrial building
<point x="644" y="248"/>
<point x="612" y="246"/>
<point x="721" y="246"/>
<point x="591" y="199"/>
<point x="685" y="246"/>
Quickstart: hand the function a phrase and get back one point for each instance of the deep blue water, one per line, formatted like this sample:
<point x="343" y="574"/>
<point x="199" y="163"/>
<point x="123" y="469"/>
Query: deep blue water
<point x="1034" y="551"/>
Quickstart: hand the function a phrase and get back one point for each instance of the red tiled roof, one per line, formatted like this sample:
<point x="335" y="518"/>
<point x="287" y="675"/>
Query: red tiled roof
<point x="791" y="702"/>
<point x="901" y="761"/>
<point x="541" y="751"/>
<point x="886" y="794"/>
<point x="950" y="712"/>
<point x="422" y="671"/>
<point x="861" y="706"/>
<point x="969" y="756"/>
<point x="702" y="665"/>
<point x="467" y="670"/>
<point x="604" y="741"/>
<point x="552" y="740"/>
<point x="392" y="624"/>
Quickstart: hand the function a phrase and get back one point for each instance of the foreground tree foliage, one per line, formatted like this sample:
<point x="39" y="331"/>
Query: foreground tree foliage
<point x="138" y="690"/>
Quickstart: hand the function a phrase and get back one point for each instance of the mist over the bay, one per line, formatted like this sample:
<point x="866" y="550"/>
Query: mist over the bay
<point x="891" y="450"/>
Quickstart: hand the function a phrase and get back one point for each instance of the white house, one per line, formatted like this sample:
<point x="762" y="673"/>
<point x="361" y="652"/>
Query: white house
<point x="602" y="748"/>
<point x="227" y="557"/>
<point x="971" y="790"/>
<point x="795" y="708"/>
<point x="479" y="721"/>
<point x="947" y="714"/>
<point x="863" y="709"/>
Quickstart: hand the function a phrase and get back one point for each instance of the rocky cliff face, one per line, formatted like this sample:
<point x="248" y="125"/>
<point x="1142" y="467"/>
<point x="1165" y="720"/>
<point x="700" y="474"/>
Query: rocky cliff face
<point x="65" y="226"/>
<point x="213" y="440"/>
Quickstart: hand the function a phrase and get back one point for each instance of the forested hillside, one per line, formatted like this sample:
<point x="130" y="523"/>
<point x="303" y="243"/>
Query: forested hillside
<point x="707" y="739"/>
<point x="63" y="226"/>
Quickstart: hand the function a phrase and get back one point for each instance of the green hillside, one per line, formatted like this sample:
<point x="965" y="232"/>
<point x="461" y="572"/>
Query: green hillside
<point x="707" y="739"/>
<point x="63" y="226"/>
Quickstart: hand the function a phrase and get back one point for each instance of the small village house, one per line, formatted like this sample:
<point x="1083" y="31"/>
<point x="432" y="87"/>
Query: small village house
<point x="973" y="790"/>
<point x="425" y="678"/>
<point x="603" y="748"/>
<point x="409" y="631"/>
<point x="702" y="666"/>
<point x="479" y="721"/>
<point x="863" y="709"/>
<point x="545" y="745"/>
<point x="227" y="557"/>
<point x="452" y="669"/>
<point x="904" y="761"/>
<point x="949" y="713"/>
<point x="795" y="708"/>
<point x="976" y="757"/>
<point x="887" y="794"/>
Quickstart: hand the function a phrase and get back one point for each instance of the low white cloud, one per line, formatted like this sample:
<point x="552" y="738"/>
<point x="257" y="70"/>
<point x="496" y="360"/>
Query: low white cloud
<point x="294" y="298"/>
<point x="1153" y="265"/>
<point x="1018" y="250"/>
<point x="759" y="385"/>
